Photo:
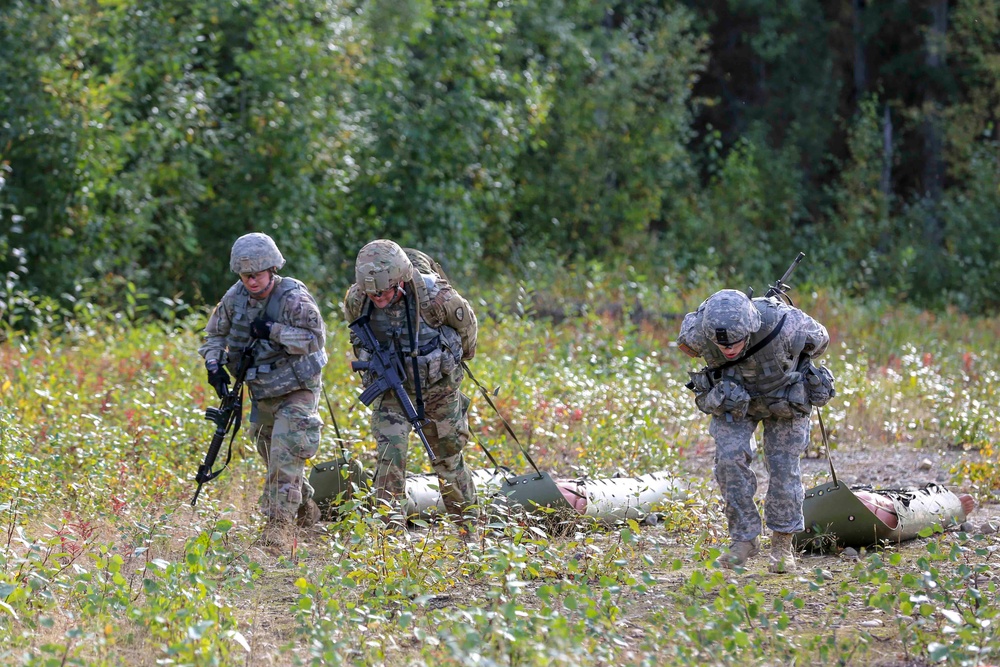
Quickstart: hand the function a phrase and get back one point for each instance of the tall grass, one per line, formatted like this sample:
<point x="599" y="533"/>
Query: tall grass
<point x="103" y="561"/>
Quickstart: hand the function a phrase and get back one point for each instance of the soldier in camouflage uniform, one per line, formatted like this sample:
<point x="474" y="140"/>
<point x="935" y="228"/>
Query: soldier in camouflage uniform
<point x="284" y="379"/>
<point x="417" y="310"/>
<point x="759" y="370"/>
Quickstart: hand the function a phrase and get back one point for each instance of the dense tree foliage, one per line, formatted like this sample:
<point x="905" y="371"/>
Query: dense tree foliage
<point x="138" y="139"/>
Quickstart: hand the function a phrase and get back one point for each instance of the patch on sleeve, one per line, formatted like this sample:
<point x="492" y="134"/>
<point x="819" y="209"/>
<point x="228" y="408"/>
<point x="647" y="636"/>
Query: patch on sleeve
<point x="686" y="350"/>
<point x="460" y="313"/>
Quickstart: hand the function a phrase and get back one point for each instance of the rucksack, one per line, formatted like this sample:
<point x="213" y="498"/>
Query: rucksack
<point x="424" y="263"/>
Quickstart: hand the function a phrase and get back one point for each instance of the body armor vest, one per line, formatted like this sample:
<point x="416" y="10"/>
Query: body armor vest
<point x="770" y="368"/>
<point x="274" y="372"/>
<point x="390" y="324"/>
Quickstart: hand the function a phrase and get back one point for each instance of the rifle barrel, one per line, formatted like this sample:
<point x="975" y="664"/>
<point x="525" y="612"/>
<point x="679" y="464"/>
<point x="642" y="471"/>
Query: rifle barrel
<point x="788" y="273"/>
<point x="779" y="286"/>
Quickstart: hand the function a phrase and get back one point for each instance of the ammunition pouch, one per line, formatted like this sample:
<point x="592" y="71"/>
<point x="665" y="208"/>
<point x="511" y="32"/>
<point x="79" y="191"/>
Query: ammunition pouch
<point x="285" y="374"/>
<point x="726" y="397"/>
<point x="791" y="401"/>
<point x="819" y="384"/>
<point x="435" y="366"/>
<point x="700" y="382"/>
<point x="439" y="358"/>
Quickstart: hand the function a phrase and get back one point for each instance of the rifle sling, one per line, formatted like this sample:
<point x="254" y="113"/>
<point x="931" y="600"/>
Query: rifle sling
<point x="413" y="356"/>
<point x="232" y="436"/>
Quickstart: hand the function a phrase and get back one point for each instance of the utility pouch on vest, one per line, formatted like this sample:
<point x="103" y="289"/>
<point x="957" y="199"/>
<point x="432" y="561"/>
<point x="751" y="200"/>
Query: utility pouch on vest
<point x="819" y="384"/>
<point x="790" y="401"/>
<point x="286" y="374"/>
<point x="700" y="382"/>
<point x="728" y="397"/>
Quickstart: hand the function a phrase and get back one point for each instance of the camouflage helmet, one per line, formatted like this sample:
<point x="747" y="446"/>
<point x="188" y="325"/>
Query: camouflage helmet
<point x="382" y="265"/>
<point x="255" y="252"/>
<point x="729" y="317"/>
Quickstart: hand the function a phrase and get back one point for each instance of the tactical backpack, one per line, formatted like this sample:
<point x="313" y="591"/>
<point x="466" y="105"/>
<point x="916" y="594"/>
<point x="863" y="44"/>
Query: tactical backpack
<point x="424" y="263"/>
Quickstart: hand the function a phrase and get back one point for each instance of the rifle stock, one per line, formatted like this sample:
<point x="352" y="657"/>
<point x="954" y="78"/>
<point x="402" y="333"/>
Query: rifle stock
<point x="389" y="373"/>
<point x="227" y="417"/>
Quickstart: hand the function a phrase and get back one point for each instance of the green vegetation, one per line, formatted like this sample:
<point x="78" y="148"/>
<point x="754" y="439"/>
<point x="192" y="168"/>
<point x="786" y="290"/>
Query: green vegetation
<point x="530" y="147"/>
<point x="138" y="140"/>
<point x="104" y="562"/>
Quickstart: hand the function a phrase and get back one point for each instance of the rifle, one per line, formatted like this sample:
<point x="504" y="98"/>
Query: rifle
<point x="779" y="288"/>
<point x="388" y="369"/>
<point x="227" y="417"/>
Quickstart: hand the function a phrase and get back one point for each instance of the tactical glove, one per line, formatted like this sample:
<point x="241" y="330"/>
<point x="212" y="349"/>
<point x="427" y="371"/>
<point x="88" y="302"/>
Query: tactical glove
<point x="218" y="378"/>
<point x="261" y="328"/>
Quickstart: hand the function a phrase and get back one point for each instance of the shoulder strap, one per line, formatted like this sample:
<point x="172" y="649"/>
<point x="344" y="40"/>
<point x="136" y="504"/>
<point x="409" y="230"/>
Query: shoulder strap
<point x="273" y="306"/>
<point x="753" y="350"/>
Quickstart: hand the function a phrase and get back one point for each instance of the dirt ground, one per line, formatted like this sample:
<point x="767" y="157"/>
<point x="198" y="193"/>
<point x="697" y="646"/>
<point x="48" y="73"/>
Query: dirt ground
<point x="882" y="467"/>
<point x="879" y="466"/>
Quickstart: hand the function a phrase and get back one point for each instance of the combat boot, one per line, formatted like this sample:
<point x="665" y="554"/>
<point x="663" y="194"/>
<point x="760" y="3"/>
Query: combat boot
<point x="275" y="536"/>
<point x="782" y="553"/>
<point x="739" y="553"/>
<point x="308" y="514"/>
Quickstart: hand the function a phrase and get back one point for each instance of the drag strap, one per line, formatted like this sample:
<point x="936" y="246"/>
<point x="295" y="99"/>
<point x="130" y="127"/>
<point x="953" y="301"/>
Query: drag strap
<point x="486" y="394"/>
<point x="826" y="444"/>
<point x="479" y="442"/>
<point x="333" y="418"/>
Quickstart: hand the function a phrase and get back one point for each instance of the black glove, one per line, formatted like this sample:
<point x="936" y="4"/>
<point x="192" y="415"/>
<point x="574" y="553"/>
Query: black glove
<point x="261" y="328"/>
<point x="218" y="378"/>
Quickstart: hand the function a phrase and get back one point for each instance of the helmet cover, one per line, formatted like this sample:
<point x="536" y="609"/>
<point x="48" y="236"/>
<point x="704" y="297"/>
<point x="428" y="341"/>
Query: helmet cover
<point x="729" y="317"/>
<point x="253" y="253"/>
<point x="382" y="265"/>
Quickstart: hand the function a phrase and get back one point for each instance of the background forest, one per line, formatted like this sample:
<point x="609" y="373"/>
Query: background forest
<point x="586" y="173"/>
<point x="139" y="139"/>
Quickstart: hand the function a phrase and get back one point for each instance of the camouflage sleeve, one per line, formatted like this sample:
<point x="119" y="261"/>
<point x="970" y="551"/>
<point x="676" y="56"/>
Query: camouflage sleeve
<point x="450" y="308"/>
<point x="808" y="336"/>
<point x="299" y="327"/>
<point x="213" y="347"/>
<point x="691" y="340"/>
<point x="354" y="302"/>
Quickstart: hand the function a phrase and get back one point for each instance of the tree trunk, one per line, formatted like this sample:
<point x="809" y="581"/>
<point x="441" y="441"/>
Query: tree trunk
<point x="860" y="64"/>
<point x="935" y="44"/>
<point x="886" y="154"/>
<point x="933" y="162"/>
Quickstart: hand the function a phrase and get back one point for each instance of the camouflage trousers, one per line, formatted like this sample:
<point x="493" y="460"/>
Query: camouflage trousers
<point x="286" y="430"/>
<point x="784" y="442"/>
<point x="447" y="431"/>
